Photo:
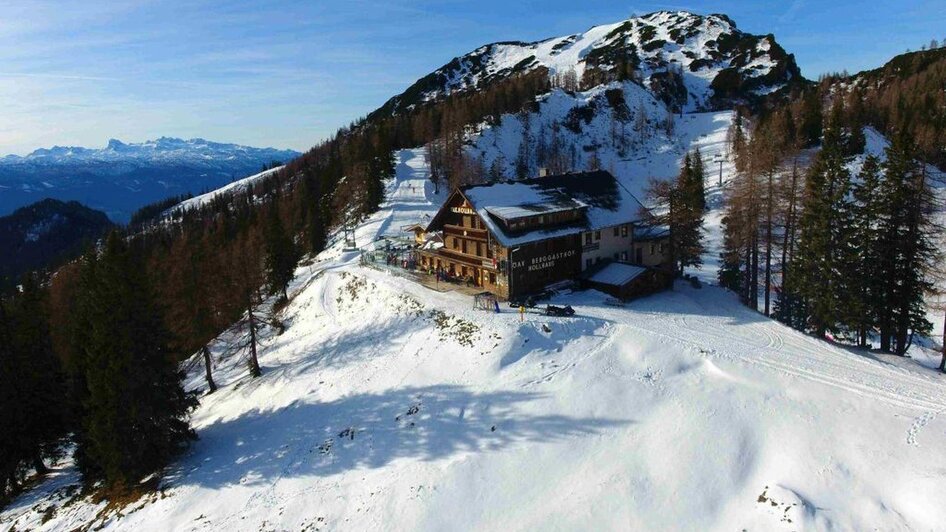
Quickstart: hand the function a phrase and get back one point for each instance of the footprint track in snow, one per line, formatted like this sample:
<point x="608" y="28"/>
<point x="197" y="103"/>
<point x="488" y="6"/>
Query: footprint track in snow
<point x="918" y="425"/>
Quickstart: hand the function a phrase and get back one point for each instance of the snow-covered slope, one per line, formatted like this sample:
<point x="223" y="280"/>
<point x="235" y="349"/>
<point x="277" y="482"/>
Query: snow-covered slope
<point x="601" y="124"/>
<point x="390" y="406"/>
<point x="718" y="62"/>
<point x="122" y="177"/>
<point x="235" y="187"/>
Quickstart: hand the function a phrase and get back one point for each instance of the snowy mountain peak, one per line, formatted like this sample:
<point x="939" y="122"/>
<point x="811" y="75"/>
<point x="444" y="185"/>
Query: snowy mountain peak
<point x="690" y="61"/>
<point x="163" y="148"/>
<point x="115" y="144"/>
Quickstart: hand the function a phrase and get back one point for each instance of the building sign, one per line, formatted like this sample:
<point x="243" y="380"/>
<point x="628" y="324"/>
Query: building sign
<point x="533" y="266"/>
<point x="462" y="210"/>
<point x="544" y="261"/>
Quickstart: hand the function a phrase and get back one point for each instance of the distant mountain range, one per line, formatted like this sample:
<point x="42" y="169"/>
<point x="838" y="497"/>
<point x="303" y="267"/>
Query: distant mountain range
<point x="122" y="177"/>
<point x="45" y="234"/>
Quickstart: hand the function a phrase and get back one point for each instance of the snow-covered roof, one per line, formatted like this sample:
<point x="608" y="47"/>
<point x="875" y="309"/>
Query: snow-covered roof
<point x="651" y="232"/>
<point x="532" y="209"/>
<point x="604" y="200"/>
<point x="617" y="274"/>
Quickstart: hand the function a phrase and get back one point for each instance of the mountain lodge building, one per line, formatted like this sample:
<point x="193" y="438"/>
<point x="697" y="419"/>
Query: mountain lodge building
<point x="516" y="237"/>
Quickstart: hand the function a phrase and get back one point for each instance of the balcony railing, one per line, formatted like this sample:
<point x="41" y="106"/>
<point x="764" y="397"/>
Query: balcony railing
<point x="469" y="232"/>
<point x="473" y="260"/>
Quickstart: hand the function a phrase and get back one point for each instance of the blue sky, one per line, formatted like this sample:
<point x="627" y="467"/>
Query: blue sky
<point x="287" y="74"/>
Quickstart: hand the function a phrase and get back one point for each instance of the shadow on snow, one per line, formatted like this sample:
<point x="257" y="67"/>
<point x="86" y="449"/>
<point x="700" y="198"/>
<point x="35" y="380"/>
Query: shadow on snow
<point x="370" y="431"/>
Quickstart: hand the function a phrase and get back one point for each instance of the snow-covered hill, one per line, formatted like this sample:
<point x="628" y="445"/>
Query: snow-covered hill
<point x="718" y="63"/>
<point x="122" y="177"/>
<point x="387" y="405"/>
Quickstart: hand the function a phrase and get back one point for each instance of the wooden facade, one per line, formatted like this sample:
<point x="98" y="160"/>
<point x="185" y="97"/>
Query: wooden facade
<point x="516" y="238"/>
<point x="469" y="253"/>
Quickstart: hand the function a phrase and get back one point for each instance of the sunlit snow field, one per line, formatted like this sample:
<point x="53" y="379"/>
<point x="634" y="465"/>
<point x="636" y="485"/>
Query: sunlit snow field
<point x="389" y="406"/>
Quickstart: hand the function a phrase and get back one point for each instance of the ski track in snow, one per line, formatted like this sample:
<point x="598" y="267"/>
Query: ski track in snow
<point x="673" y="412"/>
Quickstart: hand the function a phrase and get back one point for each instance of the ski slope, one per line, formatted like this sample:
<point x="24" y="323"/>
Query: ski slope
<point x="389" y="406"/>
<point x="411" y="199"/>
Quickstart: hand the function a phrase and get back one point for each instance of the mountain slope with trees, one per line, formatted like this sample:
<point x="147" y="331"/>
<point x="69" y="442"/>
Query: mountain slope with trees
<point x="45" y="235"/>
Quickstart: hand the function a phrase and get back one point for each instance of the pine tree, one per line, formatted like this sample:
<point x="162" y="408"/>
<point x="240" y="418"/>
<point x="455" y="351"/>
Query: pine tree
<point x="10" y="454"/>
<point x="764" y="164"/>
<point x="741" y="230"/>
<point x="433" y="153"/>
<point x="191" y="314"/>
<point x="907" y="249"/>
<point x="788" y="307"/>
<point x="243" y="282"/>
<point x="135" y="413"/>
<point x="281" y="255"/>
<point x="737" y="142"/>
<point x="731" y="259"/>
<point x="497" y="169"/>
<point x="810" y="125"/>
<point x="315" y="232"/>
<point x="698" y="178"/>
<point x="39" y="379"/>
<point x="77" y="339"/>
<point x="863" y="257"/>
<point x="817" y="276"/>
<point x="680" y="207"/>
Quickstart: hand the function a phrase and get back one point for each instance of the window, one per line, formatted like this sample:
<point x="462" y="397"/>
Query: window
<point x="640" y="255"/>
<point x="624" y="230"/>
<point x="624" y="256"/>
<point x="615" y="230"/>
<point x="456" y="243"/>
<point x="587" y="238"/>
<point x="615" y="256"/>
<point x="661" y="247"/>
<point x="597" y="235"/>
<point x="652" y="247"/>
<point x="587" y="263"/>
<point x="464" y="250"/>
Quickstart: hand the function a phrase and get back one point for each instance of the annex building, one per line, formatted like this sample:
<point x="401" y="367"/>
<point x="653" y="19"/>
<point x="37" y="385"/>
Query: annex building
<point x="514" y="238"/>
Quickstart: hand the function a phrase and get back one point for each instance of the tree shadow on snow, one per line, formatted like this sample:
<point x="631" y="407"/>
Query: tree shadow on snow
<point x="707" y="302"/>
<point x="361" y="342"/>
<point x="370" y="431"/>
